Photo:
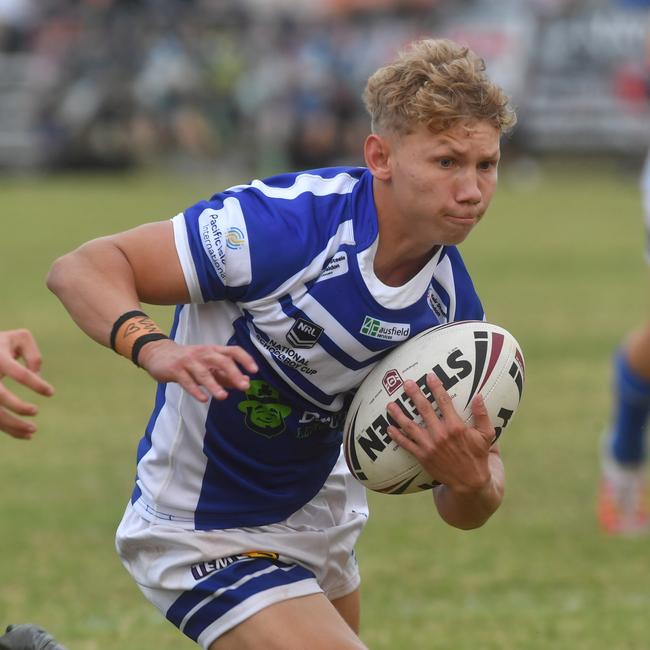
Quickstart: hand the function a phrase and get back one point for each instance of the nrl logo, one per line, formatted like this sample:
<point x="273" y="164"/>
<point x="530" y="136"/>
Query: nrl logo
<point x="304" y="334"/>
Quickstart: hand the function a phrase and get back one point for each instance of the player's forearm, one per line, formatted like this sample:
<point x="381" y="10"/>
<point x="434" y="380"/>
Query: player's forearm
<point x="468" y="510"/>
<point x="95" y="283"/>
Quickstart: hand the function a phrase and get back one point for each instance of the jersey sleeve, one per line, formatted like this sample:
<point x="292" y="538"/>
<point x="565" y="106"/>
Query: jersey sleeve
<point x="214" y="250"/>
<point x="247" y="241"/>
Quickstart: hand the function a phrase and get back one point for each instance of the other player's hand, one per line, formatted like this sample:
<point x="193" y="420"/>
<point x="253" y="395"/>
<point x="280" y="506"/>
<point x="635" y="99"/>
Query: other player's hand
<point x="453" y="452"/>
<point x="15" y="345"/>
<point x="202" y="370"/>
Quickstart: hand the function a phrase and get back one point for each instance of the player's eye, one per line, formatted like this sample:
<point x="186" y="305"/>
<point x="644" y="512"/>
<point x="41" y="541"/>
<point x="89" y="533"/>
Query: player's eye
<point x="487" y="165"/>
<point x="446" y="163"/>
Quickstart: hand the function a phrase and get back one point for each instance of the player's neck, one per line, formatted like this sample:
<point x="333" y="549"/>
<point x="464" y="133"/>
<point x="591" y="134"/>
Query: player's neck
<point x="400" y="256"/>
<point x="394" y="270"/>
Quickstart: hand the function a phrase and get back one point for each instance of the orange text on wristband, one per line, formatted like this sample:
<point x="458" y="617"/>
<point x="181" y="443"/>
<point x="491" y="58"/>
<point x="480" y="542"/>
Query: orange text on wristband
<point x="131" y="331"/>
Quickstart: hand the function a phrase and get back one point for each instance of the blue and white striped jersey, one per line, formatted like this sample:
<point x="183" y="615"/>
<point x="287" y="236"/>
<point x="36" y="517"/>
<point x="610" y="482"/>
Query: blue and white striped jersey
<point x="283" y="268"/>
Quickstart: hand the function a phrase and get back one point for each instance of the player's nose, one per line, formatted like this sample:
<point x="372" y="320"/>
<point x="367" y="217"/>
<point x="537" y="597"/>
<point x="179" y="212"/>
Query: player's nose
<point x="468" y="190"/>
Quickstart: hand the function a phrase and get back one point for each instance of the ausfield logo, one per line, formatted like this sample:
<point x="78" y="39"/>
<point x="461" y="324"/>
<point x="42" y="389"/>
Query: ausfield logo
<point x="379" y="329"/>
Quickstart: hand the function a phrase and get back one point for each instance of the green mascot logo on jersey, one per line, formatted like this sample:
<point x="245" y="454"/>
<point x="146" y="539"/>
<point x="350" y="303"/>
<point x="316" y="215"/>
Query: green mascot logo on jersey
<point x="263" y="412"/>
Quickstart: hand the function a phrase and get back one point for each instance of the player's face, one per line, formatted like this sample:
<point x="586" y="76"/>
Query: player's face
<point x="442" y="183"/>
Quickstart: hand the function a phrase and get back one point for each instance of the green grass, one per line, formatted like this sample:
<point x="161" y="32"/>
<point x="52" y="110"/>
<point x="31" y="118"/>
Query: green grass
<point x="558" y="263"/>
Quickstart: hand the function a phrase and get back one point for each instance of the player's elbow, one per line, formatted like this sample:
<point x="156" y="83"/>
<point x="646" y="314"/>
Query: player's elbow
<point x="479" y="522"/>
<point x="66" y="269"/>
<point x="55" y="279"/>
<point x="60" y="272"/>
<point x="467" y="522"/>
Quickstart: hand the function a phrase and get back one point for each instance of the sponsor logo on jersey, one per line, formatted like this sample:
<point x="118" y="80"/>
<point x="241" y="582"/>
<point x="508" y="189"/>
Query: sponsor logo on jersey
<point x="286" y="355"/>
<point x="213" y="242"/>
<point x="304" y="333"/>
<point x="379" y="329"/>
<point x="313" y="422"/>
<point x="203" y="569"/>
<point x="338" y="266"/>
<point x="391" y="381"/>
<point x="436" y="305"/>
<point x="225" y="242"/>
<point x="263" y="411"/>
<point x="235" y="238"/>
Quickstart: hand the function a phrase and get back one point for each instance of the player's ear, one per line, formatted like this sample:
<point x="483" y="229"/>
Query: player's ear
<point x="376" y="151"/>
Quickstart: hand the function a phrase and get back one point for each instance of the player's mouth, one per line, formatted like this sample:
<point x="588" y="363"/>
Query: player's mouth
<point x="465" y="219"/>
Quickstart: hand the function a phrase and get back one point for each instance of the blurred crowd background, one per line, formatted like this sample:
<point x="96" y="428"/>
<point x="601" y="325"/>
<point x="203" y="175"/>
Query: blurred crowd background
<point x="271" y="84"/>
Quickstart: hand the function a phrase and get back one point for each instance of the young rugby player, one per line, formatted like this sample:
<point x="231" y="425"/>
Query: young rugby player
<point x="243" y="520"/>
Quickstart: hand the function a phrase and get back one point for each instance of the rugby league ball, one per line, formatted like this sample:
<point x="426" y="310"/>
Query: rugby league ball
<point x="469" y="357"/>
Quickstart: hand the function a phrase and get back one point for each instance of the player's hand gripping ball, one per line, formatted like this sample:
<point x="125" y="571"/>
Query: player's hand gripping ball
<point x="469" y="357"/>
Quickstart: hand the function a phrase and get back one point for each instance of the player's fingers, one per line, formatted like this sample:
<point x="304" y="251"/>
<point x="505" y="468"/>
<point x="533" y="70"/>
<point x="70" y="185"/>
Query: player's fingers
<point x="482" y="420"/>
<point x="228" y="371"/>
<point x="402" y="439"/>
<point x="12" y="402"/>
<point x="443" y="400"/>
<point x="242" y="357"/>
<point x="185" y="379"/>
<point x="26" y="377"/>
<point x="406" y="426"/>
<point x="202" y="375"/>
<point x="16" y="427"/>
<point x="423" y="405"/>
<point x="27" y="348"/>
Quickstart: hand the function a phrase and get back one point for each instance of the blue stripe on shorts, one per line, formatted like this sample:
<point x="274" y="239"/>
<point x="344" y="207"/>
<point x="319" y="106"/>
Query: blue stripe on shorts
<point x="215" y="596"/>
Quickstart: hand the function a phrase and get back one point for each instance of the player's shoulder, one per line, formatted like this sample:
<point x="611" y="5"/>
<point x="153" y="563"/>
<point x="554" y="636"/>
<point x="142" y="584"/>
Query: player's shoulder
<point x="278" y="202"/>
<point x="285" y="205"/>
<point x="292" y="186"/>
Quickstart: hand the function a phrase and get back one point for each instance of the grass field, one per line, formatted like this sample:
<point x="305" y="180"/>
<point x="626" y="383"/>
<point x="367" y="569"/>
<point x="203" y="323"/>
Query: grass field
<point x="558" y="262"/>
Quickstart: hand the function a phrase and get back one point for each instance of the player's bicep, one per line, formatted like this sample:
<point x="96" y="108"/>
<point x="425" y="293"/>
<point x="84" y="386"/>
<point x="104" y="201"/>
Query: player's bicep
<point x="151" y="252"/>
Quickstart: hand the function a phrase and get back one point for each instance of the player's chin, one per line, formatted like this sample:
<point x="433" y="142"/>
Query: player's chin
<point x="457" y="237"/>
<point x="458" y="229"/>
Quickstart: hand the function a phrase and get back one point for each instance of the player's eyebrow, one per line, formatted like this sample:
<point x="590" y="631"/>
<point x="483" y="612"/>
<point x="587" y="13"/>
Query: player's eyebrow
<point x="449" y="146"/>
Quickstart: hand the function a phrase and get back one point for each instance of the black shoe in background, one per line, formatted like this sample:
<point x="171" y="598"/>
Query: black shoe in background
<point x="28" y="637"/>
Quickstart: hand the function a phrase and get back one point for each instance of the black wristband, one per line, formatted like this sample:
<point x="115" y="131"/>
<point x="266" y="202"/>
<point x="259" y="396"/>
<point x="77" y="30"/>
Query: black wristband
<point x="120" y="321"/>
<point x="143" y="340"/>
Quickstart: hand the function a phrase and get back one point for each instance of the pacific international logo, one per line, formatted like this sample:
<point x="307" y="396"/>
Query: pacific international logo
<point x="235" y="238"/>
<point x="379" y="329"/>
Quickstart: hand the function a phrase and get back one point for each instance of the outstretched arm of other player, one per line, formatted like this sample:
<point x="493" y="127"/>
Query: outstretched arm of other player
<point x="14" y="345"/>
<point x="109" y="277"/>
<point x="460" y="456"/>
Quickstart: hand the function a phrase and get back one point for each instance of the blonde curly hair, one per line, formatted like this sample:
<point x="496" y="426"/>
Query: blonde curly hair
<point x="438" y="83"/>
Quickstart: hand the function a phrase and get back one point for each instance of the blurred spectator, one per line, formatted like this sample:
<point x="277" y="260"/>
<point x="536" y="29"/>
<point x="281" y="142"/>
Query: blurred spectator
<point x="270" y="84"/>
<point x="17" y="19"/>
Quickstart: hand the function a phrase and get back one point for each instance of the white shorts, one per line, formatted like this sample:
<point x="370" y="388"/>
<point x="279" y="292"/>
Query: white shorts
<point x="206" y="582"/>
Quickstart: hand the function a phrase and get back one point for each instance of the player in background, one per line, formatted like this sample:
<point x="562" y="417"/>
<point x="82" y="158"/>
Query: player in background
<point x="15" y="345"/>
<point x="28" y="637"/>
<point x="243" y="520"/>
<point x="622" y="498"/>
<point x="622" y="506"/>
